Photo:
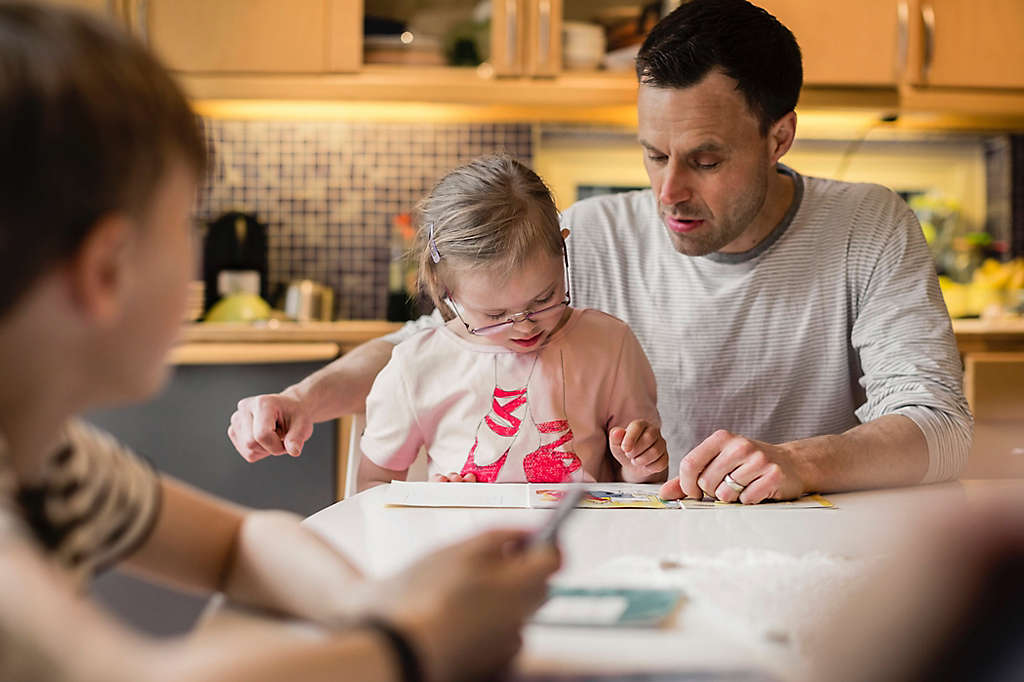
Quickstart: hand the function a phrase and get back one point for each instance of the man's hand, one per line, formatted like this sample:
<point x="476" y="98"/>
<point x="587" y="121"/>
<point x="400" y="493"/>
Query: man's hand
<point x="271" y="424"/>
<point x="640" y="450"/>
<point x="464" y="606"/>
<point x="763" y="471"/>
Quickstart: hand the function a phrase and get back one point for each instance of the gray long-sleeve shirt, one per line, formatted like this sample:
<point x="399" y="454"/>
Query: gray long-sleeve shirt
<point x="833" y="320"/>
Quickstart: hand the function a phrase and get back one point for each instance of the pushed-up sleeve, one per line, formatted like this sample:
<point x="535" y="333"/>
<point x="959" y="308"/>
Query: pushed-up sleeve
<point x="392" y="437"/>
<point x="903" y="336"/>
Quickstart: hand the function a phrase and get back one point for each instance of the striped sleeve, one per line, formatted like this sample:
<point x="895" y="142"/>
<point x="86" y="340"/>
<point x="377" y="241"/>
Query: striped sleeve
<point x="903" y="335"/>
<point x="96" y="504"/>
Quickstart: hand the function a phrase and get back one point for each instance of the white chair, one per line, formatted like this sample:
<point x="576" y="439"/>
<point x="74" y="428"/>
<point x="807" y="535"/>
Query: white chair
<point x="417" y="472"/>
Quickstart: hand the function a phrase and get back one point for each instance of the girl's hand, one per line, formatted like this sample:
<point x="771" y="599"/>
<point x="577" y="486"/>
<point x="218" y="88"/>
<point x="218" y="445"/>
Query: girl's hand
<point x="641" y="451"/>
<point x="453" y="478"/>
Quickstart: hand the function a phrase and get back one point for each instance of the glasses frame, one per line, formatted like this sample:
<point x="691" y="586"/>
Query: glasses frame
<point x="489" y="329"/>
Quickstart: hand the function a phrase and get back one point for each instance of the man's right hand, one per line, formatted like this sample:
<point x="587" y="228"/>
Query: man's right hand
<point x="270" y="424"/>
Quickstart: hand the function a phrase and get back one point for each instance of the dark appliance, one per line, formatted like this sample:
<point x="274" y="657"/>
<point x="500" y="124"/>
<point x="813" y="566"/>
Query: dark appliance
<point x="235" y="241"/>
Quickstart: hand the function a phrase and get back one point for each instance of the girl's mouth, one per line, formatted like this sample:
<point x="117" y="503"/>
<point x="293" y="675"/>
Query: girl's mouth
<point x="526" y="343"/>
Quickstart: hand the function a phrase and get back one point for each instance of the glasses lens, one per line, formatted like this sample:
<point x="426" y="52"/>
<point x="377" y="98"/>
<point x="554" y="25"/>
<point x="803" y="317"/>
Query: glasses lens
<point x="547" y="313"/>
<point x="492" y="329"/>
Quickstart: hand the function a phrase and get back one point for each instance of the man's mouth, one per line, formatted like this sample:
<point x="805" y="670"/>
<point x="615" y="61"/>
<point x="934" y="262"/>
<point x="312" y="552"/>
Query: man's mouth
<point x="526" y="343"/>
<point x="683" y="225"/>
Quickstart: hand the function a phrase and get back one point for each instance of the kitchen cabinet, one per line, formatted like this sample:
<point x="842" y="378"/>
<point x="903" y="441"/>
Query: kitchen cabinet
<point x="968" y="44"/>
<point x="994" y="386"/>
<point x="927" y="56"/>
<point x="251" y="36"/>
<point x="860" y="43"/>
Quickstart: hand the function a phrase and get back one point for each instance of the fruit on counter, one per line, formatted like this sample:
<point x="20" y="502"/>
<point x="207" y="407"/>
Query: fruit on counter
<point x="995" y="288"/>
<point x="239" y="307"/>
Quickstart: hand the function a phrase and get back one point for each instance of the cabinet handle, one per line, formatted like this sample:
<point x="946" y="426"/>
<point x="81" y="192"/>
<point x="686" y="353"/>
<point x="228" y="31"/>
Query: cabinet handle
<point x="928" y="18"/>
<point x="902" y="38"/>
<point x="512" y="19"/>
<point x="142" y="19"/>
<point x="544" y="34"/>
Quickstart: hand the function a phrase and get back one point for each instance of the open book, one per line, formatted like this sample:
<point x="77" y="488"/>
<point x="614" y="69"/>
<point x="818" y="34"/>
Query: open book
<point x="542" y="495"/>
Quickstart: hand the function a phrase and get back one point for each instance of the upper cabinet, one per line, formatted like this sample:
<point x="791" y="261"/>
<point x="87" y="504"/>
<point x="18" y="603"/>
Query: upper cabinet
<point x="847" y="43"/>
<point x="965" y="44"/>
<point x="251" y="36"/>
<point x="570" y="55"/>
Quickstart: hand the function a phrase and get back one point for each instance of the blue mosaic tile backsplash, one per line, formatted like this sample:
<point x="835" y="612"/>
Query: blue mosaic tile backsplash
<point x="329" y="191"/>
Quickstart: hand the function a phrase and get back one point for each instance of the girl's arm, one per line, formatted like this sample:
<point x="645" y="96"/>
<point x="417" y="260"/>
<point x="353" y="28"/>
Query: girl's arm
<point x="371" y="474"/>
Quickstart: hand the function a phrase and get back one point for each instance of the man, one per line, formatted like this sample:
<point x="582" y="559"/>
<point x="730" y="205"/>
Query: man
<point x="101" y="158"/>
<point x="794" y="324"/>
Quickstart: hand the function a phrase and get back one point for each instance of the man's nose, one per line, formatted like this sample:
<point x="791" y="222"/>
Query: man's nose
<point x="676" y="185"/>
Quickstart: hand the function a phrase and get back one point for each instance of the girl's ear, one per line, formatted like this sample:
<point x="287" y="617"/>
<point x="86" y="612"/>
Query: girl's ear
<point x="565" y="232"/>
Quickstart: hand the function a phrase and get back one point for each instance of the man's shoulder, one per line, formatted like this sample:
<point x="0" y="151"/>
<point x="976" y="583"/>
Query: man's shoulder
<point x="636" y="204"/>
<point x="843" y="196"/>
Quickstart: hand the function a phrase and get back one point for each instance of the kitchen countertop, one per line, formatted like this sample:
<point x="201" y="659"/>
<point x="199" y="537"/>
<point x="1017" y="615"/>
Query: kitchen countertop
<point x="212" y="343"/>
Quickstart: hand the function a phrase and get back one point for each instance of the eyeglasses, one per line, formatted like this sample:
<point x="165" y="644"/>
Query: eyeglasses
<point x="539" y="315"/>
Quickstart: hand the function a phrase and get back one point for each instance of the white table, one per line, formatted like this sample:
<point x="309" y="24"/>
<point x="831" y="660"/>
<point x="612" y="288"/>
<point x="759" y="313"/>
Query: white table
<point x="758" y="579"/>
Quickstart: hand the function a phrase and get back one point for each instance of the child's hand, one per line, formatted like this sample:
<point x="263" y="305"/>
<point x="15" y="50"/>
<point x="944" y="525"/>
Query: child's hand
<point x="641" y="451"/>
<point x="453" y="478"/>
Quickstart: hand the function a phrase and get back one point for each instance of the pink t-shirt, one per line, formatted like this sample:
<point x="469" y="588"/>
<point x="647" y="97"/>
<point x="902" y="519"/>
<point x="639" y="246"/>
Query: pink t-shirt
<point x="510" y="417"/>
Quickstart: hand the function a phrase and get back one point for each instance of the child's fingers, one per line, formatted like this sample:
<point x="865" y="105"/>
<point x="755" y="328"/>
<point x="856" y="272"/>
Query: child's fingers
<point x="438" y="478"/>
<point x="634" y="432"/>
<point x="615" y="436"/>
<point x="643" y="443"/>
<point x="469" y="478"/>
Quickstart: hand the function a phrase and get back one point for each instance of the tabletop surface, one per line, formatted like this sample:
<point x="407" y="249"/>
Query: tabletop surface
<point x="757" y="580"/>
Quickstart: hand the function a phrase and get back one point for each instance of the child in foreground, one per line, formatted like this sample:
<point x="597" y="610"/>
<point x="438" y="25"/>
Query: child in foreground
<point x="517" y="386"/>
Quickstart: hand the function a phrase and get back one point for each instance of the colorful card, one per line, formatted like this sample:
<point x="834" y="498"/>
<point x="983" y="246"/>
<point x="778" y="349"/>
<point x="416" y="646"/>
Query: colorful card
<point x="608" y="607"/>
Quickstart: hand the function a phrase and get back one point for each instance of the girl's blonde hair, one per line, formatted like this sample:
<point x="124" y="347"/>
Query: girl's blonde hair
<point x="491" y="213"/>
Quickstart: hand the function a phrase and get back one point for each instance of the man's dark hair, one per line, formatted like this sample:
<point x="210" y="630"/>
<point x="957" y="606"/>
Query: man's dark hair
<point x="89" y="125"/>
<point x="743" y="41"/>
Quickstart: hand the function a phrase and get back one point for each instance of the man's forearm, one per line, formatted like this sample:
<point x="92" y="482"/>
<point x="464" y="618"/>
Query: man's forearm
<point x="341" y="387"/>
<point x="887" y="452"/>
<point x="278" y="564"/>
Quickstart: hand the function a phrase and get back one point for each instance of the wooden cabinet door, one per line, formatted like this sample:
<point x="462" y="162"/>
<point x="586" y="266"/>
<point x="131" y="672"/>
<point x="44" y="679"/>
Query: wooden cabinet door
<point x="543" y="37"/>
<point x="345" y="38"/>
<point x="241" y="36"/>
<point x="508" y="36"/>
<point x="969" y="43"/>
<point x="847" y="43"/>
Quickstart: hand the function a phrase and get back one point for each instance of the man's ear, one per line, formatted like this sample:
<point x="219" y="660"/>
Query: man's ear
<point x="97" y="273"/>
<point x="781" y="135"/>
<point x="565" y="233"/>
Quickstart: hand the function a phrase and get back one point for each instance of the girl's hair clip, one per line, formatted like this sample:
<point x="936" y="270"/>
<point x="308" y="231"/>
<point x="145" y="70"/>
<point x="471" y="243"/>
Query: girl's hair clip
<point x="435" y="255"/>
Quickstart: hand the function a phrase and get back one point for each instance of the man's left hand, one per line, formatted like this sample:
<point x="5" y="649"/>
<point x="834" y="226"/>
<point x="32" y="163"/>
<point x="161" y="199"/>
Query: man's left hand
<point x="760" y="471"/>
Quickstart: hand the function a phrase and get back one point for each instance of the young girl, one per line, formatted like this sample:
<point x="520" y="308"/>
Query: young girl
<point x="517" y="386"/>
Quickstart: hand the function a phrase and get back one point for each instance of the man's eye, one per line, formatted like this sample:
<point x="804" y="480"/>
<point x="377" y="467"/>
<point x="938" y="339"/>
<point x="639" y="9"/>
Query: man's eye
<point x="707" y="166"/>
<point x="657" y="158"/>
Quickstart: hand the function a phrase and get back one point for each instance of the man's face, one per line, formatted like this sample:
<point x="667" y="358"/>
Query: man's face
<point x="708" y="163"/>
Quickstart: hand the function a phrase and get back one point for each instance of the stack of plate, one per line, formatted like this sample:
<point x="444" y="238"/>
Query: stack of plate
<point x="194" y="304"/>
